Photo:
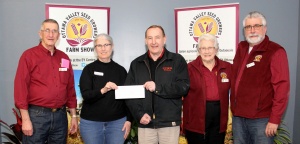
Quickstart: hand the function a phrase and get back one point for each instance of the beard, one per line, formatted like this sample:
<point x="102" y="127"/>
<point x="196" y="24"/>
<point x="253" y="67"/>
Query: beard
<point x="256" y="40"/>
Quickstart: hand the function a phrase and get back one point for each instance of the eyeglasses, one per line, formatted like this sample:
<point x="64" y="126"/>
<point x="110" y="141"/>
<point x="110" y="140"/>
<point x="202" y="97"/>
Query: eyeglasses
<point x="48" y="31"/>
<point x="204" y="48"/>
<point x="100" y="46"/>
<point x="255" y="27"/>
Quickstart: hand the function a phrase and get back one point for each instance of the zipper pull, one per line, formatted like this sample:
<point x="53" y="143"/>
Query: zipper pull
<point x="153" y="116"/>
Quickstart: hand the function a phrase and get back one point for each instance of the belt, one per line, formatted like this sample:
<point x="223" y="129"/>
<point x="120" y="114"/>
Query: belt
<point x="213" y="102"/>
<point x="46" y="109"/>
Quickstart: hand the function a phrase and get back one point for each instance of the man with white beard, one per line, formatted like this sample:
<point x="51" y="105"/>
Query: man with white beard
<point x="260" y="86"/>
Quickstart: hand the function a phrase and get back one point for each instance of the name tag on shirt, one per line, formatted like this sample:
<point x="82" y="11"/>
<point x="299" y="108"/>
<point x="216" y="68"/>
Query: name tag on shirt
<point x="250" y="64"/>
<point x="98" y="73"/>
<point x="63" y="69"/>
<point x="225" y="80"/>
<point x="64" y="63"/>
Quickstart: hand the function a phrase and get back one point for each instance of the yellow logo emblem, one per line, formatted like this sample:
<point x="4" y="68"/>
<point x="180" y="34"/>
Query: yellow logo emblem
<point x="257" y="58"/>
<point x="223" y="75"/>
<point x="79" y="32"/>
<point x="203" y="23"/>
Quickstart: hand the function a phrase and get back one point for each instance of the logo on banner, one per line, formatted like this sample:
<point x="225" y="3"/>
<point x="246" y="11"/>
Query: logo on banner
<point x="78" y="29"/>
<point x="203" y="23"/>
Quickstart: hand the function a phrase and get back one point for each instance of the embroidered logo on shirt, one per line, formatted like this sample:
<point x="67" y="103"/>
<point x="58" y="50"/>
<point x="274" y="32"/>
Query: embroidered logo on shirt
<point x="167" y="69"/>
<point x="257" y="58"/>
<point x="224" y="77"/>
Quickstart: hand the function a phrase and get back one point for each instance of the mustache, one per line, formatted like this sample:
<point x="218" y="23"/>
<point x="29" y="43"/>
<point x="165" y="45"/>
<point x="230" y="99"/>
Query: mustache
<point x="253" y="35"/>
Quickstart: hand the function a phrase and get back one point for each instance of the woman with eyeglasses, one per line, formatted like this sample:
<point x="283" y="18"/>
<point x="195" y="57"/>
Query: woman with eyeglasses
<point x="104" y="119"/>
<point x="205" y="108"/>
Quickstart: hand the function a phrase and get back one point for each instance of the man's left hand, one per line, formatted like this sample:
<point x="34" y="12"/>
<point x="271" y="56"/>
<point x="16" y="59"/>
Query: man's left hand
<point x="271" y="129"/>
<point x="74" y="125"/>
<point x="150" y="86"/>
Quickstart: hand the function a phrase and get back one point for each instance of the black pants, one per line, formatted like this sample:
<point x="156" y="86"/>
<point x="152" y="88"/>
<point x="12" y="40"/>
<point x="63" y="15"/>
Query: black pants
<point x="212" y="127"/>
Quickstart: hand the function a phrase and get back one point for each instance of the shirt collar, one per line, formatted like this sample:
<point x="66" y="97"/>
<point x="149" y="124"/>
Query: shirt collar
<point x="46" y="50"/>
<point x="216" y="62"/>
<point x="161" y="55"/>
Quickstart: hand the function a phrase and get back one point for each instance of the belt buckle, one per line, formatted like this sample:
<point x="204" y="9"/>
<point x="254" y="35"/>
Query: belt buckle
<point x="54" y="110"/>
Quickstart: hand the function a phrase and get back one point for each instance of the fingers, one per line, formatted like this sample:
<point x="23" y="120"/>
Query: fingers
<point x="27" y="128"/>
<point x="271" y="129"/>
<point x="73" y="127"/>
<point x="270" y="132"/>
<point x="150" y="86"/>
<point x="127" y="131"/>
<point x="145" y="119"/>
<point x="126" y="134"/>
<point x="109" y="86"/>
<point x="27" y="132"/>
<point x="73" y="130"/>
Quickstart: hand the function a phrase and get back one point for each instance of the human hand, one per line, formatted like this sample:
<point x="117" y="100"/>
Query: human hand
<point x="271" y="129"/>
<point x="150" y="86"/>
<point x="74" y="125"/>
<point x="145" y="119"/>
<point x="27" y="127"/>
<point x="126" y="127"/>
<point x="109" y="86"/>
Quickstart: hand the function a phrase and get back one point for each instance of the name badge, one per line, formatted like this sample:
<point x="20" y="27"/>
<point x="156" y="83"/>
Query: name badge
<point x="225" y="80"/>
<point x="250" y="64"/>
<point x="62" y="69"/>
<point x="98" y="73"/>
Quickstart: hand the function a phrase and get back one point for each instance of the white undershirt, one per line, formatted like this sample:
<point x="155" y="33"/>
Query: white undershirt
<point x="250" y="49"/>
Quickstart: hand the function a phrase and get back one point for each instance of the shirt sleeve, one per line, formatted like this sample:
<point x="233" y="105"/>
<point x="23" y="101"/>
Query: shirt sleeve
<point x="72" y="101"/>
<point x="281" y="85"/>
<point x="177" y="88"/>
<point x="21" y="83"/>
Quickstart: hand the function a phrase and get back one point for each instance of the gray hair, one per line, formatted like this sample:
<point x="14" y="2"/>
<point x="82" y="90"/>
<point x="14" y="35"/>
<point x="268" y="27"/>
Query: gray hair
<point x="50" y="21"/>
<point x="256" y="14"/>
<point x="106" y="36"/>
<point x="208" y="37"/>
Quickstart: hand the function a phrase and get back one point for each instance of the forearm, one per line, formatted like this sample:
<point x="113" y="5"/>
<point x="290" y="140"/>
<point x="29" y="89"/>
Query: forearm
<point x="24" y="115"/>
<point x="172" y="90"/>
<point x="72" y="111"/>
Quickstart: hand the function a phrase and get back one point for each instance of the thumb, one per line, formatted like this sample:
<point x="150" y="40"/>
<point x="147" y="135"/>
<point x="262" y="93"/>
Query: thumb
<point x="123" y="128"/>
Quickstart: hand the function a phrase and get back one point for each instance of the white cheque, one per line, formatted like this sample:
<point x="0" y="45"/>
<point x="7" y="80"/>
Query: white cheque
<point x="130" y="92"/>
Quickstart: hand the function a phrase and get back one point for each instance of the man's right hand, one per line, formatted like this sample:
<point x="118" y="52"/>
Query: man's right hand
<point x="145" y="119"/>
<point x="26" y="123"/>
<point x="27" y="127"/>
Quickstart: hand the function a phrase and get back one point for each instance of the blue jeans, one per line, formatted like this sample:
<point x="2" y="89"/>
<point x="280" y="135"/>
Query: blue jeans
<point x="250" y="131"/>
<point x="96" y="132"/>
<point x="47" y="126"/>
